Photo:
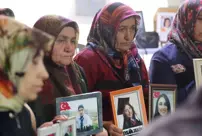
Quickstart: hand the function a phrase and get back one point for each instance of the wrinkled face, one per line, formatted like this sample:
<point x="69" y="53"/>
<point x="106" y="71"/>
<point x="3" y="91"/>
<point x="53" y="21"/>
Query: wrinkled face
<point x="32" y="81"/>
<point x="128" y="111"/>
<point x="81" y="111"/>
<point x="125" y="34"/>
<point x="198" y="28"/>
<point x="162" y="107"/>
<point x="64" y="47"/>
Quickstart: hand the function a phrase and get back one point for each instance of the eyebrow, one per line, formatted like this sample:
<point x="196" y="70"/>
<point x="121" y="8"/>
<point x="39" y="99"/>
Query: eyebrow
<point x="65" y="37"/>
<point x="126" y="26"/>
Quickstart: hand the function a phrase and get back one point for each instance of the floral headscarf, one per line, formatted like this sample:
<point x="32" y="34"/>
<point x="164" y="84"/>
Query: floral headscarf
<point x="103" y="34"/>
<point x="18" y="45"/>
<point x="183" y="28"/>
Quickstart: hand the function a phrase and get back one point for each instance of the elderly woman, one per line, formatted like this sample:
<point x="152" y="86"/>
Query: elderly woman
<point x="111" y="60"/>
<point x="66" y="77"/>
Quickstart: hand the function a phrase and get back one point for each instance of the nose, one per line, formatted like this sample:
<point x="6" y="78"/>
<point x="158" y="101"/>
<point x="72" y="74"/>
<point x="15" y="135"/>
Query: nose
<point x="67" y="45"/>
<point x="127" y="35"/>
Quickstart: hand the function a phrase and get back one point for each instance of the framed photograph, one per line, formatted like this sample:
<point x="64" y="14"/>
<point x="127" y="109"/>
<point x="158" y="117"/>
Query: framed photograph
<point x="68" y="128"/>
<point x="163" y="20"/>
<point x="87" y="108"/>
<point x="129" y="110"/>
<point x="141" y="26"/>
<point x="53" y="130"/>
<point x="198" y="72"/>
<point x="162" y="100"/>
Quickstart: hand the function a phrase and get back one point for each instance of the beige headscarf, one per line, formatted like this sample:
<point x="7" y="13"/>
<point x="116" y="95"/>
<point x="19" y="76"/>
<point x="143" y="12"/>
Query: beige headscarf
<point x="18" y="45"/>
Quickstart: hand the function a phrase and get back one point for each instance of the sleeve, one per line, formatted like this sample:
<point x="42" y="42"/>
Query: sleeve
<point x="89" y="121"/>
<point x="161" y="73"/>
<point x="90" y="65"/>
<point x="145" y="79"/>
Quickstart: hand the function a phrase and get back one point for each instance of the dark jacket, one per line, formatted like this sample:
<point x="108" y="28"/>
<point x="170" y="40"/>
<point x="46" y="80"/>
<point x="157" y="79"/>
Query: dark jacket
<point x="164" y="66"/>
<point x="16" y="125"/>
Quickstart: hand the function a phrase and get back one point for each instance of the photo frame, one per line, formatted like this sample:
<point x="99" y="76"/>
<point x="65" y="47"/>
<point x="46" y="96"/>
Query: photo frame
<point x="198" y="71"/>
<point x="87" y="108"/>
<point x="68" y="127"/>
<point x="53" y="130"/>
<point x="162" y="100"/>
<point x="163" y="20"/>
<point x="142" y="24"/>
<point x="129" y="111"/>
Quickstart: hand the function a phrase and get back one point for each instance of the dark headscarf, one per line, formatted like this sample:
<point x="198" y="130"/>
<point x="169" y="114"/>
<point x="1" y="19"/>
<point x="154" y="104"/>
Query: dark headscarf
<point x="7" y="12"/>
<point x="103" y="35"/>
<point x="63" y="80"/>
<point x="182" y="31"/>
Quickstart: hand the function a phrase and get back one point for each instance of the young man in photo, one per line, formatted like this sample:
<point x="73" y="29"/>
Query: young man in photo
<point x="83" y="121"/>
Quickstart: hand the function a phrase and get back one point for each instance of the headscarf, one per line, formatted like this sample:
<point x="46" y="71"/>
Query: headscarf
<point x="182" y="30"/>
<point x="7" y="12"/>
<point x="19" y="44"/>
<point x="70" y="80"/>
<point x="103" y="34"/>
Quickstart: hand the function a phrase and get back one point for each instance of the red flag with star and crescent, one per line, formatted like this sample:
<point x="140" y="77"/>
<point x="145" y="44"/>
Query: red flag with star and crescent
<point x="156" y="94"/>
<point x="64" y="106"/>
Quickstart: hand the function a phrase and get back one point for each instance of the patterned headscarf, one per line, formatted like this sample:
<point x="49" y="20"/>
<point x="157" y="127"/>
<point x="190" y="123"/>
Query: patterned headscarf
<point x="104" y="30"/>
<point x="19" y="44"/>
<point x="183" y="28"/>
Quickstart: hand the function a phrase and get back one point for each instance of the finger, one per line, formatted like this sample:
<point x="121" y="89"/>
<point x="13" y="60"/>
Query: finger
<point x="47" y="124"/>
<point x="118" y="130"/>
<point x="112" y="133"/>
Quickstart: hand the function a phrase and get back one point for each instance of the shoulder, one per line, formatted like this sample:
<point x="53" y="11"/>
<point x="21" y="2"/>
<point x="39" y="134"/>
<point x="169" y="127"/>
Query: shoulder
<point x="86" y="54"/>
<point x="167" y="53"/>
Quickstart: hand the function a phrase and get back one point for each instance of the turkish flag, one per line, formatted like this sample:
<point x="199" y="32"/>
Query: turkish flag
<point x="64" y="106"/>
<point x="156" y="94"/>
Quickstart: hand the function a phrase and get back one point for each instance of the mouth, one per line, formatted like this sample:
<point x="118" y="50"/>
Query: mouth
<point x="163" y="110"/>
<point x="38" y="88"/>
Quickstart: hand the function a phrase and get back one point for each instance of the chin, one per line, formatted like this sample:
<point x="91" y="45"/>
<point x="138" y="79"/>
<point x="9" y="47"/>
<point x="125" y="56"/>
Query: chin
<point x="32" y="98"/>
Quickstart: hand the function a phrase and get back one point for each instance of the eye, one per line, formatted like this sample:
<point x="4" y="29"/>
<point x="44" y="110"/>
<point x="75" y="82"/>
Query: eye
<point x="121" y="29"/>
<point x="73" y="41"/>
<point x="60" y="40"/>
<point x="199" y="18"/>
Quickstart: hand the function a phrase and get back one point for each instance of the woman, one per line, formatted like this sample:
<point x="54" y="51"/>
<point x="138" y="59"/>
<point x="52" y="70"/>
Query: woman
<point x="129" y="116"/>
<point x="66" y="77"/>
<point x="111" y="60"/>
<point x="22" y="73"/>
<point x="162" y="106"/>
<point x="173" y="63"/>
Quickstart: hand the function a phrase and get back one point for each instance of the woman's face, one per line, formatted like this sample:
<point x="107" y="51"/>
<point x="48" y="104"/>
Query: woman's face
<point x="33" y="80"/>
<point x="64" y="47"/>
<point x="125" y="34"/>
<point x="162" y="107"/>
<point x="128" y="111"/>
<point x="198" y="28"/>
<point x="167" y="23"/>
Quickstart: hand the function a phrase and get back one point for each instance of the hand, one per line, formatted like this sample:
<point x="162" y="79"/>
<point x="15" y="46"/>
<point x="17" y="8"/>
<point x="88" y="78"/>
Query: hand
<point x="60" y="118"/>
<point x="113" y="130"/>
<point x="47" y="124"/>
<point x="103" y="133"/>
<point x="56" y="119"/>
